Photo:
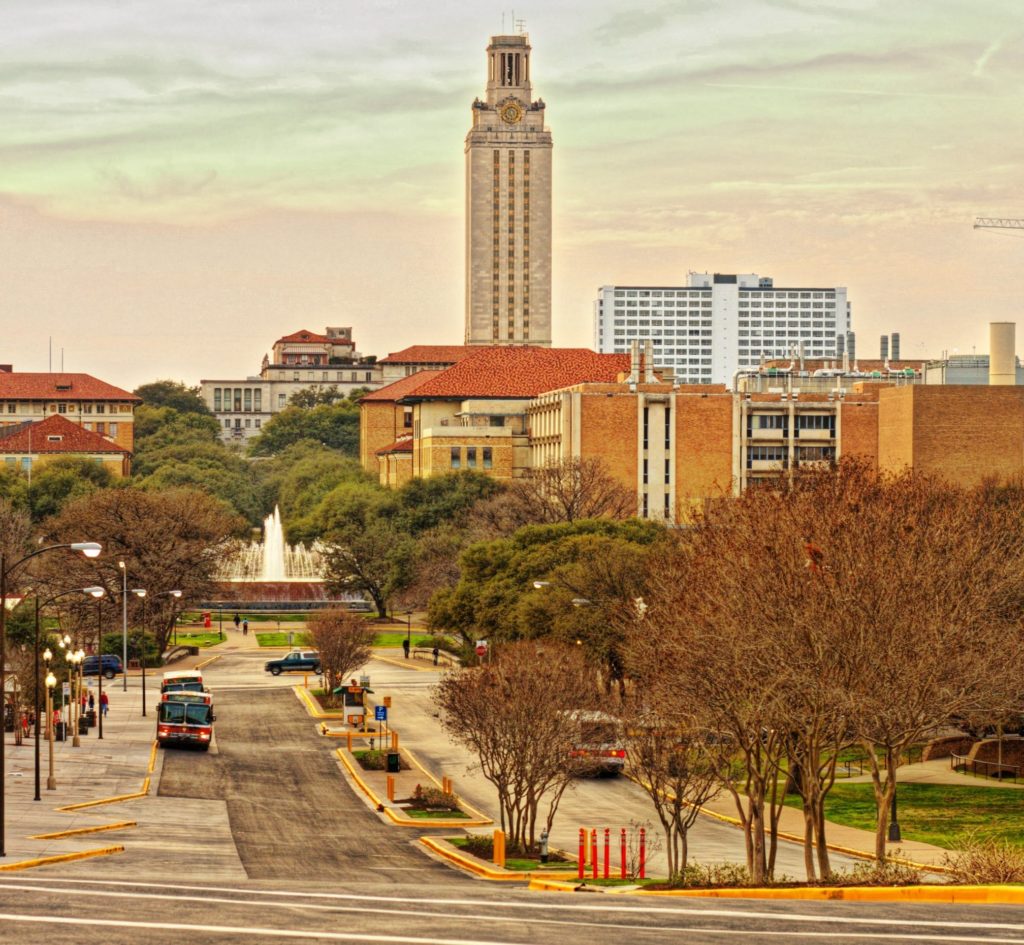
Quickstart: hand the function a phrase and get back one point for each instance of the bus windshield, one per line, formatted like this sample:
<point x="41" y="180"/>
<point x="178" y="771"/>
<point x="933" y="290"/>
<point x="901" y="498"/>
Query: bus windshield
<point x="180" y="713"/>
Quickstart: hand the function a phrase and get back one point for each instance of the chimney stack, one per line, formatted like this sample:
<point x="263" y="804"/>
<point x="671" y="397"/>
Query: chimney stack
<point x="1002" y="361"/>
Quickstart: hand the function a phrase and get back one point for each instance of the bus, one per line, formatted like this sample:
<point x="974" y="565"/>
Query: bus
<point x="176" y="695"/>
<point x="596" y="744"/>
<point x="178" y="676"/>
<point x="184" y="723"/>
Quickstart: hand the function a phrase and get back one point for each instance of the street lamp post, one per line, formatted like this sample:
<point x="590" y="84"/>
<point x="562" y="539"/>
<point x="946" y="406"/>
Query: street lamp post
<point x="124" y="623"/>
<point x="90" y="549"/>
<point x="51" y="681"/>
<point x="76" y="693"/>
<point x="142" y="594"/>
<point x="97" y="593"/>
<point x="894" y="824"/>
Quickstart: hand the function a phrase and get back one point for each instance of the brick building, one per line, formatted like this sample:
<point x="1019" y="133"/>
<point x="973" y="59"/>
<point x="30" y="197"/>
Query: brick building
<point x="28" y="445"/>
<point x="83" y="400"/>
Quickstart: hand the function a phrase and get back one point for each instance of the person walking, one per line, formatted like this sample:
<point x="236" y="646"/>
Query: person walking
<point x="436" y="653"/>
<point x="92" y="702"/>
<point x="245" y="628"/>
<point x="104" y="703"/>
<point x="238" y="620"/>
<point x="405" y="647"/>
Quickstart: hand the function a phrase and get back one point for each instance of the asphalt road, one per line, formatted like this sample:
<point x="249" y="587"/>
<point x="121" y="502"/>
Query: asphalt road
<point x="289" y="810"/>
<point x="43" y="909"/>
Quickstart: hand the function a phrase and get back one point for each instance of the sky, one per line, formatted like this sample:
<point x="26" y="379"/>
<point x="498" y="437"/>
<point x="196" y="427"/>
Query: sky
<point x="183" y="182"/>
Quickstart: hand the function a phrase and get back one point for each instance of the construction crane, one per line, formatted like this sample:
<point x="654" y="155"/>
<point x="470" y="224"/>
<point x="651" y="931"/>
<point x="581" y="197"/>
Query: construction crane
<point x="997" y="223"/>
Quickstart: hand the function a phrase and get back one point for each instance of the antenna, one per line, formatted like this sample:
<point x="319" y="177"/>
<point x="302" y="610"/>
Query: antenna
<point x="519" y="26"/>
<point x="50" y="361"/>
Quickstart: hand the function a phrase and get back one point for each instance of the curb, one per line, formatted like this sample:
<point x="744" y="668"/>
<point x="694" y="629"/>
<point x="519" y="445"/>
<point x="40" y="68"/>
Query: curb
<point x="405" y="664"/>
<point x="79" y="831"/>
<point x="478" y="868"/>
<point x="391" y="815"/>
<point x="962" y="895"/>
<point x="60" y="858"/>
<point x="313" y="708"/>
<point x="142" y="792"/>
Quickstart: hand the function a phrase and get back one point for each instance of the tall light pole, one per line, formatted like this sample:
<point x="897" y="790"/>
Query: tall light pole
<point x="124" y="623"/>
<point x="76" y="694"/>
<point x="90" y="549"/>
<point x="51" y="681"/>
<point x="97" y="593"/>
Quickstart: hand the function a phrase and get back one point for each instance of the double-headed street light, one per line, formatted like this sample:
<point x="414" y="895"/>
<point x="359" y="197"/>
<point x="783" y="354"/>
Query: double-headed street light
<point x="97" y="593"/>
<point x="91" y="549"/>
<point x="142" y="594"/>
<point x="51" y="681"/>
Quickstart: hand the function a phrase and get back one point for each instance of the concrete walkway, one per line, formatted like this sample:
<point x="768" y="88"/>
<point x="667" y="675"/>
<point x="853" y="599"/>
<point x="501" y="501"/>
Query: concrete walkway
<point x="936" y="772"/>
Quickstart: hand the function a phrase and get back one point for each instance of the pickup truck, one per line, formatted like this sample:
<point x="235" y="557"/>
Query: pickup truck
<point x="298" y="660"/>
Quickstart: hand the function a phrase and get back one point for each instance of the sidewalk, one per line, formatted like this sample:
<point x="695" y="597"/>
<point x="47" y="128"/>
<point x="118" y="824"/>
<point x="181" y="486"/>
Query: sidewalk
<point x="936" y="772"/>
<point x="117" y="765"/>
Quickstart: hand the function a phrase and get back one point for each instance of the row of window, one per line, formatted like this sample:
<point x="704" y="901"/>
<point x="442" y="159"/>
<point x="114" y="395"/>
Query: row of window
<point x="699" y="293"/>
<point x="238" y="423"/>
<point x="468" y="455"/>
<point x="17" y="407"/>
<point x="780" y="454"/>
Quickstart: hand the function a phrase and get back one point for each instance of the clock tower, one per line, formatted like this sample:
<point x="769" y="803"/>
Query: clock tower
<point x="508" y="205"/>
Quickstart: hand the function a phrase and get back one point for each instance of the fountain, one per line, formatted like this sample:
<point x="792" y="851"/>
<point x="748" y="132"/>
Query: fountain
<point x="272" y="570"/>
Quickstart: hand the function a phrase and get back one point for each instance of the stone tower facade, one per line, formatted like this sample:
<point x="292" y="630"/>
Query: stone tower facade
<point x="508" y="205"/>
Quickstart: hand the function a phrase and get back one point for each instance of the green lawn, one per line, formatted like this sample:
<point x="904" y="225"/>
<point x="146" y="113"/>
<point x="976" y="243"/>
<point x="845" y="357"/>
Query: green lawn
<point x="228" y="617"/>
<point x="933" y="813"/>
<point x="198" y="639"/>
<point x="435" y="814"/>
<point x="299" y="638"/>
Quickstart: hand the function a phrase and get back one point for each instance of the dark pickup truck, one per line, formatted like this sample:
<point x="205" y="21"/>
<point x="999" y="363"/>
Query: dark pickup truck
<point x="307" y="661"/>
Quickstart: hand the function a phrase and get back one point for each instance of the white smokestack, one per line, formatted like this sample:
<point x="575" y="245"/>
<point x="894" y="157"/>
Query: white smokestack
<point x="1002" y="361"/>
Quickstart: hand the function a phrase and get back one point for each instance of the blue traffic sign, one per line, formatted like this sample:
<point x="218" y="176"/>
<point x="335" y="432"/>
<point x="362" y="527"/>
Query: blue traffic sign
<point x="380" y="713"/>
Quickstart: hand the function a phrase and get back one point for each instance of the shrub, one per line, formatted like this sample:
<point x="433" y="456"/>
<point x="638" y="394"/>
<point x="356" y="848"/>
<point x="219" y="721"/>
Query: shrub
<point x="375" y="760"/>
<point x="874" y="873"/>
<point x="980" y="862"/>
<point x="714" y="875"/>
<point x="433" y="798"/>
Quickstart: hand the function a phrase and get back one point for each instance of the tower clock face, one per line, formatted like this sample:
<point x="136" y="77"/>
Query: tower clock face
<point x="511" y="113"/>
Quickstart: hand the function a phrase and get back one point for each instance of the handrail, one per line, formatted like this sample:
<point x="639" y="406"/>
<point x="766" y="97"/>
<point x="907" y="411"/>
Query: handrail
<point x="961" y="761"/>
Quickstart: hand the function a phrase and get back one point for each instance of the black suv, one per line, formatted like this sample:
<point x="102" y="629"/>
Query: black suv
<point x="111" y="666"/>
<point x="307" y="660"/>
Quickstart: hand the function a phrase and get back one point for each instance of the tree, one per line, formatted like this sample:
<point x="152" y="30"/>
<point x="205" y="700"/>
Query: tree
<point x="172" y="540"/>
<point x="173" y="394"/>
<point x="332" y="425"/>
<point x="571" y="490"/>
<point x="514" y="713"/>
<point x="62" y="480"/>
<point x="157" y="427"/>
<point x="343" y="641"/>
<point x="677" y="763"/>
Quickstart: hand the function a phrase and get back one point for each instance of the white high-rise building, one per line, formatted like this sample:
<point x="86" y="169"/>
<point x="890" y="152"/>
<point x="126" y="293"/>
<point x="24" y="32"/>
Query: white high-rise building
<point x="719" y="324"/>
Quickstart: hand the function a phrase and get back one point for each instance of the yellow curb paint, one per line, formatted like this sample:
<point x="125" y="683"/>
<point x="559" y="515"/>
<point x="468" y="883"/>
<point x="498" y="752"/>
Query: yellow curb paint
<point x="395" y="818"/>
<point x="408" y="664"/>
<point x="313" y="708"/>
<point x="152" y="758"/>
<point x="473" y="865"/>
<point x="207" y="662"/>
<point x="78" y="831"/>
<point x="107" y="800"/>
<point x="472" y="810"/>
<point x="60" y="858"/>
<point x="963" y="895"/>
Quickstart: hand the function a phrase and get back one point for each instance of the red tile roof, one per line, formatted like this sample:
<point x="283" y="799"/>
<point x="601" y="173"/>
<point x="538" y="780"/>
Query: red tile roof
<point x="521" y="372"/>
<point x="430" y="354"/>
<point x="19" y="385"/>
<point x="33" y="438"/>
<point x="311" y="337"/>
<point x="402" y="445"/>
<point x="398" y="389"/>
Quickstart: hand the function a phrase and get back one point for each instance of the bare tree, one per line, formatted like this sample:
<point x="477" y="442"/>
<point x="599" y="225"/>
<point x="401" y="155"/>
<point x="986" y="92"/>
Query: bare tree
<point x="677" y="763"/>
<point x="343" y="641"/>
<point x="514" y="713"/>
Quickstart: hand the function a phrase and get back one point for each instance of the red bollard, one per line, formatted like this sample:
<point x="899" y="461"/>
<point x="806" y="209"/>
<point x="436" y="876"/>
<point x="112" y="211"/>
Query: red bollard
<point x="607" y="849"/>
<point x="593" y="853"/>
<point x="643" y="853"/>
<point x="622" y="851"/>
<point x="583" y="851"/>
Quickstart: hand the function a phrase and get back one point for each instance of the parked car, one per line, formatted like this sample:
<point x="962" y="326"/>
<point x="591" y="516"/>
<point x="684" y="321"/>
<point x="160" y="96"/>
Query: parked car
<point x="298" y="660"/>
<point x="112" y="666"/>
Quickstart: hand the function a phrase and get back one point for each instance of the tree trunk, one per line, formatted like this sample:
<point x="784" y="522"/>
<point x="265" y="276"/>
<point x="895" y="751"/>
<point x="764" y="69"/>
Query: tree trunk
<point x="809" y="840"/>
<point x="824" y="865"/>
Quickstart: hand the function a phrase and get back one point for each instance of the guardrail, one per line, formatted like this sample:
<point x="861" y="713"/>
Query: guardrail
<point x="860" y="765"/>
<point x="178" y="652"/>
<point x="989" y="769"/>
<point x="443" y="658"/>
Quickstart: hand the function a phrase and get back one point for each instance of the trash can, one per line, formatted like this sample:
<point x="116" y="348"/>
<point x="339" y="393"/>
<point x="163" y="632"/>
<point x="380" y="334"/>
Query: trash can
<point x="58" y="731"/>
<point x="83" y="726"/>
<point x="90" y="718"/>
<point x="394" y="762"/>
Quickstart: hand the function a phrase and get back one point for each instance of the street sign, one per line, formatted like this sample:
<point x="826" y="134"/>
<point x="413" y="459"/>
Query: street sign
<point x="380" y="713"/>
<point x="65" y="688"/>
<point x="481" y="647"/>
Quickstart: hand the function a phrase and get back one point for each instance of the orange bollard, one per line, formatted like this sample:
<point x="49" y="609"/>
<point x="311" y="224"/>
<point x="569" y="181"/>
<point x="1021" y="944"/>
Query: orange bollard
<point x="391" y="787"/>
<point x="607" y="847"/>
<point x="394" y="740"/>
<point x="593" y="853"/>
<point x="622" y="851"/>
<point x="499" y="848"/>
<point x="348" y="738"/>
<point x="581" y="860"/>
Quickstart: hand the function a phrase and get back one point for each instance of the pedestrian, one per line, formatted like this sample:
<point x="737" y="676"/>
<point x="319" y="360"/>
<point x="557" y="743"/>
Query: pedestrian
<point x="245" y="628"/>
<point x="238" y="620"/>
<point x="24" y="724"/>
<point x="92" y="702"/>
<point x="436" y="653"/>
<point x="83" y="701"/>
<point x="405" y="647"/>
<point x="104" y="704"/>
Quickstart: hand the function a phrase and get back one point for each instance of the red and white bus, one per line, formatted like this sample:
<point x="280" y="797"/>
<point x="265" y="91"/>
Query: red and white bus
<point x="181" y="722"/>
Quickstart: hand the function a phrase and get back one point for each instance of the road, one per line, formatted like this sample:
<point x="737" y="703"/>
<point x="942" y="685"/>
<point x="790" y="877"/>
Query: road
<point x="261" y="840"/>
<point x="37" y="910"/>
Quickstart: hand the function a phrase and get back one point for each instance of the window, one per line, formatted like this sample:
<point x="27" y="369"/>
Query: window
<point x="63" y="408"/>
<point x="216" y="399"/>
<point x="248" y="398"/>
<point x="100" y="408"/>
<point x="488" y="462"/>
<point x="54" y="438"/>
<point x="12" y="408"/>
<point x="496" y="421"/>
<point x="773" y="421"/>
<point x="369" y="377"/>
<point x="257" y="397"/>
<point x="407" y="418"/>
<point x="248" y="422"/>
<point x="282" y="400"/>
<point x="101" y="428"/>
<point x="257" y="423"/>
<point x="471" y="457"/>
<point x="227" y="424"/>
<point x="113" y="429"/>
<point x="456" y="457"/>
